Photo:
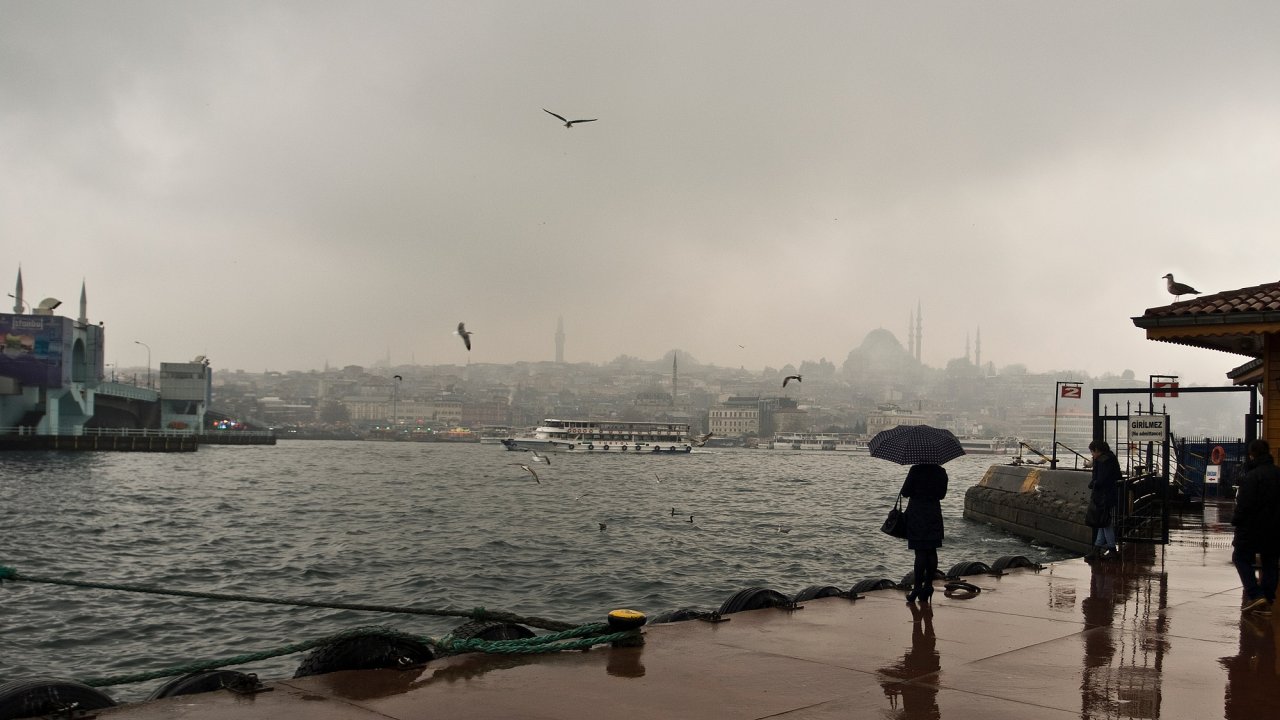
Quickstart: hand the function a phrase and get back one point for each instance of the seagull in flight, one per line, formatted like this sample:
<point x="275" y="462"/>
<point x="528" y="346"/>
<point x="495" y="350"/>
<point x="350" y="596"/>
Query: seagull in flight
<point x="541" y="458"/>
<point x="531" y="472"/>
<point x="1177" y="289"/>
<point x="789" y="378"/>
<point x="701" y="440"/>
<point x="567" y="123"/>
<point x="465" y="334"/>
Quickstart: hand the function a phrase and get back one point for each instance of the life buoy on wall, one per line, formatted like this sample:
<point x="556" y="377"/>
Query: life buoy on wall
<point x="1218" y="455"/>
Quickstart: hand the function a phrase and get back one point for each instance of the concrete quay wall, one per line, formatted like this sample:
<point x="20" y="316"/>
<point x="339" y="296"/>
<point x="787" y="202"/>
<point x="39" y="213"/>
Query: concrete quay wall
<point x="1037" y="503"/>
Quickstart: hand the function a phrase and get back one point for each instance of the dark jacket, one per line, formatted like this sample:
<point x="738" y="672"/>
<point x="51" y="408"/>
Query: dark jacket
<point x="1105" y="484"/>
<point x="1257" y="513"/>
<point x="924" y="489"/>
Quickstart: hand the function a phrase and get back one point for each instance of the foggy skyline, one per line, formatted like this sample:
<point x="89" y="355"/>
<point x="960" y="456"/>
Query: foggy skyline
<point x="284" y="185"/>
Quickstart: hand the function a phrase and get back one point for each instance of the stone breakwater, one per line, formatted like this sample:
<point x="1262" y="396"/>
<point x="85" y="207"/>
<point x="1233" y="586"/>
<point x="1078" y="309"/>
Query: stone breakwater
<point x="1045" y="505"/>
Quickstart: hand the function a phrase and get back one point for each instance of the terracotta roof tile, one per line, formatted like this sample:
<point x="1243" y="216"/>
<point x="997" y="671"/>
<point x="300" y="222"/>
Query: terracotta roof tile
<point x="1259" y="298"/>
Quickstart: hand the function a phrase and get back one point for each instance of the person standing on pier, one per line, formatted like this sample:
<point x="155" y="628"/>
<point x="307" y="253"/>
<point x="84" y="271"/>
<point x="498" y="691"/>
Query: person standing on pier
<point x="1257" y="522"/>
<point x="925" y="486"/>
<point x="1101" y="515"/>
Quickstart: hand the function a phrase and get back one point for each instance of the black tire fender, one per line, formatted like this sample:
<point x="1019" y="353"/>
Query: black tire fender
<point x="44" y="696"/>
<point x="817" y="591"/>
<point x="364" y="652"/>
<point x="200" y="682"/>
<point x="753" y="598"/>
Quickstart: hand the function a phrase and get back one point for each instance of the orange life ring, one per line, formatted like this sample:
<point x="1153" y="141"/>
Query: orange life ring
<point x="1218" y="455"/>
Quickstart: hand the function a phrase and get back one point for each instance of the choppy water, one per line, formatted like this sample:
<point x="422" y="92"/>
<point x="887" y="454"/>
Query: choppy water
<point x="423" y="525"/>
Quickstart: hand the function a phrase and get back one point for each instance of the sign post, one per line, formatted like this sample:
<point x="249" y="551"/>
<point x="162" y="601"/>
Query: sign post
<point x="1065" y="389"/>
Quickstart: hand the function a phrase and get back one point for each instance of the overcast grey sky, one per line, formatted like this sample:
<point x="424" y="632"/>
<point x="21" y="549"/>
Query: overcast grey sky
<point x="283" y="184"/>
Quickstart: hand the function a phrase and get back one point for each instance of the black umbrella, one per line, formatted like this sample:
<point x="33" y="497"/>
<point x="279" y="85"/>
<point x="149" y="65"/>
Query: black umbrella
<point x="915" y="444"/>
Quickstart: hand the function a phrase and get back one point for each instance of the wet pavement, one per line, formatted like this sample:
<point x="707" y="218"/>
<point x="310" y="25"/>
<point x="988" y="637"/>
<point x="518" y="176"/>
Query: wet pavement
<point x="1157" y="633"/>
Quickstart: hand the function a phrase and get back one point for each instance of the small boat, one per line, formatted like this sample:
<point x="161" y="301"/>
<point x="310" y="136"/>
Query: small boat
<point x="605" y="436"/>
<point x="988" y="446"/>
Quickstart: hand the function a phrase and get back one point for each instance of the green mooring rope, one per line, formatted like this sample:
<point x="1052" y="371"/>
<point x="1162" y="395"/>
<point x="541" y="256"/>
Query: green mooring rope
<point x="579" y="638"/>
<point x="478" y="613"/>
<point x="569" y="637"/>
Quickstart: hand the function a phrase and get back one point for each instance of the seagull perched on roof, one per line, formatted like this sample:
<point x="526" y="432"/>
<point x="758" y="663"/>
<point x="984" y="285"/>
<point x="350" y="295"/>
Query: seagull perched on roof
<point x="789" y="378"/>
<point x="567" y="123"/>
<point x="1177" y="289"/>
<point x="465" y="334"/>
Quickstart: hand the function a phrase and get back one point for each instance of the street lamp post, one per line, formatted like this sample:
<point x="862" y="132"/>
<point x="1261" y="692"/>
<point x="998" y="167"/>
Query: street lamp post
<point x="395" y="409"/>
<point x="148" y="347"/>
<point x="24" y="302"/>
<point x="1061" y="388"/>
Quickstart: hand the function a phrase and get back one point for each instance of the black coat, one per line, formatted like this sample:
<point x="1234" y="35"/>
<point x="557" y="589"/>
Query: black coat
<point x="1257" y="513"/>
<point x="924" y="489"/>
<point x="1104" y="486"/>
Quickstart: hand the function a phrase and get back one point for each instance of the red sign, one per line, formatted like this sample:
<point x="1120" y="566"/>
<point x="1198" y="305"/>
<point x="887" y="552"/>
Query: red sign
<point x="1071" y="391"/>
<point x="1166" y="393"/>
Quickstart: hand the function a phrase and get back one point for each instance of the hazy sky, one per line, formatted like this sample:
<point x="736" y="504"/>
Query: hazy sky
<point x="281" y="185"/>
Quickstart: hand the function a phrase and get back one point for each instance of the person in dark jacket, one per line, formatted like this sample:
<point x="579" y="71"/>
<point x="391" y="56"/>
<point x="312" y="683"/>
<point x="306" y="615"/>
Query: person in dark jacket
<point x="924" y="489"/>
<point x="1101" y="515"/>
<point x="1257" y="522"/>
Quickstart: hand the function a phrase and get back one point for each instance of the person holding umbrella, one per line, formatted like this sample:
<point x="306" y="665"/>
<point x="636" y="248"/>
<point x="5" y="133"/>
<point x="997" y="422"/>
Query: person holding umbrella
<point x="925" y="449"/>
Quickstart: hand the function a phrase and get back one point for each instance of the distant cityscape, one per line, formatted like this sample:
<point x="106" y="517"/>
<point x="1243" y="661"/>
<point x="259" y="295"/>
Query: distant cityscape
<point x="881" y="383"/>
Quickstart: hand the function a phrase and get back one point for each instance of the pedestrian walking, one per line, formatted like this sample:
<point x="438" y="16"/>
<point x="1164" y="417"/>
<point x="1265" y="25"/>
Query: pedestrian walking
<point x="1257" y="529"/>
<point x="1101" y="515"/>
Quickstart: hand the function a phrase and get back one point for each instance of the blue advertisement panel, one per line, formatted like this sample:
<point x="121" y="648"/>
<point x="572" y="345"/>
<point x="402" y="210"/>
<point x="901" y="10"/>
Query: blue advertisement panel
<point x="36" y="349"/>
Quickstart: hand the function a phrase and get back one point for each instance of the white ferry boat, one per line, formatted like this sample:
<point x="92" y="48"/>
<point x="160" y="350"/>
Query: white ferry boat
<point x="494" y="434"/>
<point x="818" y="441"/>
<point x="605" y="436"/>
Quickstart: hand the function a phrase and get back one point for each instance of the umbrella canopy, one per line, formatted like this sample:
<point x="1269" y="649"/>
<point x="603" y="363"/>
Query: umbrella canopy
<point x="915" y="444"/>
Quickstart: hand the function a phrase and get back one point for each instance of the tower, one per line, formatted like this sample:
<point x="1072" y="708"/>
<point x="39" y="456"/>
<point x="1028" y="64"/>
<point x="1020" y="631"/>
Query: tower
<point x="674" y="376"/>
<point x="84" y="306"/>
<point x="919" y="330"/>
<point x="560" y="340"/>
<point x="911" y="335"/>
<point x="17" y="294"/>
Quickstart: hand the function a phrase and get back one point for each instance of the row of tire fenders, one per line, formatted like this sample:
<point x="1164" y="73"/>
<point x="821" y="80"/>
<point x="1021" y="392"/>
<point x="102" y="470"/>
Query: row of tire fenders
<point x="45" y="696"/>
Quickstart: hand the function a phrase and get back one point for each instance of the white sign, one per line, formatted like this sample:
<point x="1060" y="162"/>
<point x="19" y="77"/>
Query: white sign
<point x="1212" y="474"/>
<point x="1148" y="428"/>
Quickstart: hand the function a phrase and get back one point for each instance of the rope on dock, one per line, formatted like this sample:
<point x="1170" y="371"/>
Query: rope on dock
<point x="478" y="613"/>
<point x="580" y="638"/>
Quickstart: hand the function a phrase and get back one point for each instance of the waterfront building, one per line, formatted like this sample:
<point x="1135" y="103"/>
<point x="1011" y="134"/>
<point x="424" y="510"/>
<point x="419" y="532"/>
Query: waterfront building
<point x="186" y="391"/>
<point x="50" y="367"/>
<point x="890" y="416"/>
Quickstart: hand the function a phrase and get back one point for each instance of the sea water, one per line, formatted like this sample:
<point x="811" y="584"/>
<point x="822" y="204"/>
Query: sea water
<point x="423" y="525"/>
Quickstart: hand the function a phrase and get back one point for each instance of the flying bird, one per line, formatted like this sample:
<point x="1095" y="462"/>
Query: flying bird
<point x="1177" y="289"/>
<point x="531" y="472"/>
<point x="567" y="123"/>
<point x="789" y="378"/>
<point x="702" y="439"/>
<point x="397" y="377"/>
<point x="465" y="334"/>
<point x="541" y="458"/>
<point x="602" y="526"/>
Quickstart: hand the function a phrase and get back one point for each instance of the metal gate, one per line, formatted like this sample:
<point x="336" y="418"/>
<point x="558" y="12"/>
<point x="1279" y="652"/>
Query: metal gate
<point x="1142" y="513"/>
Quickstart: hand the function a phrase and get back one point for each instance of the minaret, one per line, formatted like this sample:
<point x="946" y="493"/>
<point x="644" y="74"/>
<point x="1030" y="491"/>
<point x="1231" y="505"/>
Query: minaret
<point x="560" y="340"/>
<point x="966" y="347"/>
<point x="919" y="330"/>
<point x="17" y="294"/>
<point x="977" y="348"/>
<point x="911" y="335"/>
<point x="674" y="377"/>
<point x="84" y="306"/>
